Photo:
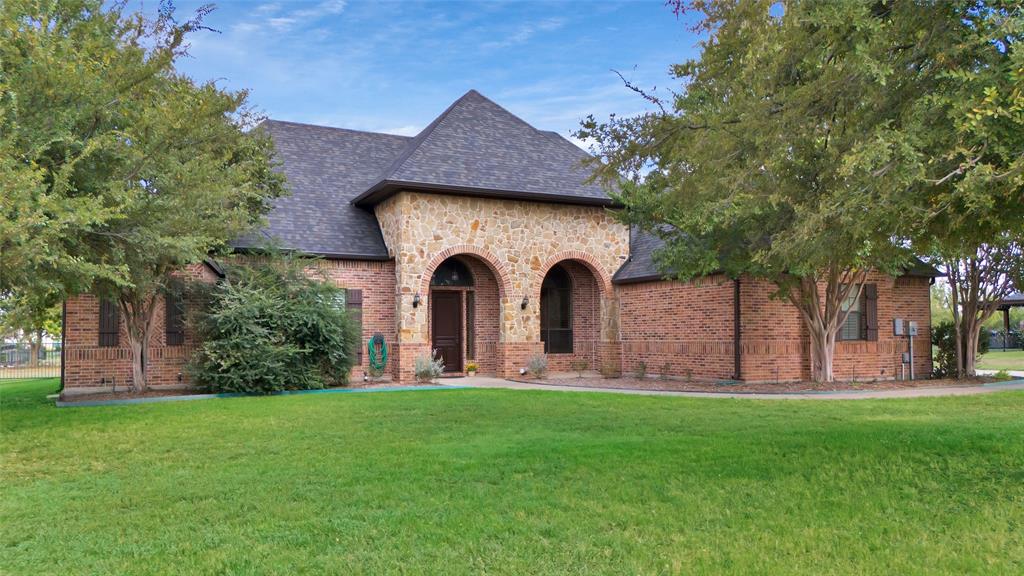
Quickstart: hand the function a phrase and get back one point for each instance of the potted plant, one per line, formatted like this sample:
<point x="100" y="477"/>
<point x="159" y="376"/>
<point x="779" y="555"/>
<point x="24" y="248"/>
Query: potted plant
<point x="471" y="368"/>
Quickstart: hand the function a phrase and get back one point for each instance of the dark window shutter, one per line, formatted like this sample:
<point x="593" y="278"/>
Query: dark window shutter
<point x="871" y="311"/>
<point x="174" y="318"/>
<point x="109" y="322"/>
<point x="354" y="304"/>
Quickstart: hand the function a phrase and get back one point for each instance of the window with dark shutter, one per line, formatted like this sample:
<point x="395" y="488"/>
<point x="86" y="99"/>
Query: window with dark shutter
<point x="871" y="312"/>
<point x="174" y="318"/>
<point x="109" y="322"/>
<point x="856" y="325"/>
<point x="354" y="305"/>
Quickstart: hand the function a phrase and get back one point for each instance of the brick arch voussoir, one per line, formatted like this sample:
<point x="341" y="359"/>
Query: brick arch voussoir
<point x="604" y="282"/>
<point x="496" y="266"/>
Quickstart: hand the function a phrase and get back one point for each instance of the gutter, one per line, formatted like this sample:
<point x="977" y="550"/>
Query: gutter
<point x="387" y="188"/>
<point x="736" y="330"/>
<point x="63" y="340"/>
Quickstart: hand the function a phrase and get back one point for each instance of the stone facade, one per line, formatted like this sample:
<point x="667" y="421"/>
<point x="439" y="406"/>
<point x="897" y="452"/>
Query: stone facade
<point x="519" y="242"/>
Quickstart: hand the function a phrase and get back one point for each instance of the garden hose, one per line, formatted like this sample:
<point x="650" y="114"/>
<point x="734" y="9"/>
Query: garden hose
<point x="377" y="349"/>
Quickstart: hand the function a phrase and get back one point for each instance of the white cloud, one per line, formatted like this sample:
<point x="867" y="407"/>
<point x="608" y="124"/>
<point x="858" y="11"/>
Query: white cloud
<point x="526" y="31"/>
<point x="407" y="130"/>
<point x="271" y="16"/>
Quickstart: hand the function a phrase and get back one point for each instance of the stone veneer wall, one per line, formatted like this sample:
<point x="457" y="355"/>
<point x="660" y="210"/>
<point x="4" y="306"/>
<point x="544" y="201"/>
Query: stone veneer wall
<point x="90" y="367"/>
<point x="519" y="241"/>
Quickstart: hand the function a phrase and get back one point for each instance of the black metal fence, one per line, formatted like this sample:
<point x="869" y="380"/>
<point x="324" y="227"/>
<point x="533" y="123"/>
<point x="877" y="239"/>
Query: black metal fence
<point x="21" y="360"/>
<point x="1000" y="340"/>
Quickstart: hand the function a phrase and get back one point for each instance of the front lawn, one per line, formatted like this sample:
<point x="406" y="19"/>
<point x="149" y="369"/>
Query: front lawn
<point x="512" y="482"/>
<point x="999" y="360"/>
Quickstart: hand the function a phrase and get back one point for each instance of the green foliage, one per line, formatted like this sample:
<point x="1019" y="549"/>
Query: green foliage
<point x="270" y="327"/>
<point x="30" y="315"/>
<point x="944" y="341"/>
<point x="814" y="139"/>
<point x="1002" y="376"/>
<point x="116" y="169"/>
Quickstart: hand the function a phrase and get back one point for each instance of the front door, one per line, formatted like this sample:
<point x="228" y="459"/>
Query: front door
<point x="446" y="314"/>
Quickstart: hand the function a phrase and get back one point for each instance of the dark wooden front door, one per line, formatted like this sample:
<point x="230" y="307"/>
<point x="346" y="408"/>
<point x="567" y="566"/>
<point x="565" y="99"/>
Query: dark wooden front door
<point x="446" y="314"/>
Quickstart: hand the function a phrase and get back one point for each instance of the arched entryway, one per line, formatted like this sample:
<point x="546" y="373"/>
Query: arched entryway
<point x="464" y="314"/>
<point x="570" y="316"/>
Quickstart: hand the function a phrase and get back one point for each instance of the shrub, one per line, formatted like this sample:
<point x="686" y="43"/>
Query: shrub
<point x="610" y="370"/>
<point x="429" y="368"/>
<point x="1002" y="376"/>
<point x="579" y="366"/>
<point x="268" y="327"/>
<point x="665" y="370"/>
<point x="944" y="340"/>
<point x="640" y="370"/>
<point x="537" y="365"/>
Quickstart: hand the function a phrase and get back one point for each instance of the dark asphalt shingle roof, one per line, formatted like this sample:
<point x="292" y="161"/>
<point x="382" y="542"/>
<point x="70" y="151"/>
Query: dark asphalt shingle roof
<point x="326" y="168"/>
<point x="640" y="266"/>
<point x="478" y="147"/>
<point x="475" y="147"/>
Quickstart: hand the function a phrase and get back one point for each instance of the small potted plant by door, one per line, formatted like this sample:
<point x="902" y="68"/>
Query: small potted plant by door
<point x="471" y="368"/>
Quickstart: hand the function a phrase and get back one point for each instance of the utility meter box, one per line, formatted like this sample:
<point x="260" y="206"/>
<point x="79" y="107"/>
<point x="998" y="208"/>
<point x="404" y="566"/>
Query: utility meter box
<point x="912" y="328"/>
<point x="906" y="357"/>
<point x="897" y="327"/>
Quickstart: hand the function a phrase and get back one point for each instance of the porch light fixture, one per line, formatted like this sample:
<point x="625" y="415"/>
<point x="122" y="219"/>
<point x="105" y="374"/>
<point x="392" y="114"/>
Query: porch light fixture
<point x="416" y="300"/>
<point x="522" y="305"/>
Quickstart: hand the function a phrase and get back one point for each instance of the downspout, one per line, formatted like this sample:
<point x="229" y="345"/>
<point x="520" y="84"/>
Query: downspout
<point x="736" y="324"/>
<point x="63" y="341"/>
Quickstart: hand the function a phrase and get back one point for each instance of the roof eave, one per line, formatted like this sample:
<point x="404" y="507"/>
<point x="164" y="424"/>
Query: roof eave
<point x="386" y="188"/>
<point x="324" y="255"/>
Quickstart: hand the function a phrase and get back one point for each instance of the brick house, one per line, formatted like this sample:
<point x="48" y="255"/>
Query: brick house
<point x="480" y="237"/>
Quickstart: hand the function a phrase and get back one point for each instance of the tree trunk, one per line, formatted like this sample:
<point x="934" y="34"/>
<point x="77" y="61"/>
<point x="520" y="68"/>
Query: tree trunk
<point x="824" y="316"/>
<point x="34" y="344"/>
<point x="138" y="314"/>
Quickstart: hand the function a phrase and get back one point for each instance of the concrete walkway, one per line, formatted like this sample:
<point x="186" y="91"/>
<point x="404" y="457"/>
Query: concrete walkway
<point x="485" y="382"/>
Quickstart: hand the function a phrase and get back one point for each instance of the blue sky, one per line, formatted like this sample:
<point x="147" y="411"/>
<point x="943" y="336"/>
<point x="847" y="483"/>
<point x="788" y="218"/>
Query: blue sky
<point x="394" y="66"/>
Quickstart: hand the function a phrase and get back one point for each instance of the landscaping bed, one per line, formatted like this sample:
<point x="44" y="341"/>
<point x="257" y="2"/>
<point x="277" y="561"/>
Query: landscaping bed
<point x="680" y="385"/>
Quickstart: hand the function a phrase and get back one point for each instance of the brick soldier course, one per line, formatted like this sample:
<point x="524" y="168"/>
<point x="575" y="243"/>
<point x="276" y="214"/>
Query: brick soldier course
<point x="510" y="203"/>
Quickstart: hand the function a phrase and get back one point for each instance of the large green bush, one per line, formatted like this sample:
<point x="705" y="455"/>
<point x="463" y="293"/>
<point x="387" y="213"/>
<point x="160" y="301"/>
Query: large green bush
<point x="944" y="341"/>
<point x="268" y="327"/>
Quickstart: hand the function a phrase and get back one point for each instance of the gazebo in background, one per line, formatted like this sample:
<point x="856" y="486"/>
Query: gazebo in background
<point x="1013" y="300"/>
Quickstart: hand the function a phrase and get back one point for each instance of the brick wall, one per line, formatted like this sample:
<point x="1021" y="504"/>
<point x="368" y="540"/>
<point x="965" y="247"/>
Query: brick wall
<point x="688" y="328"/>
<point x="684" y="328"/>
<point x="90" y="366"/>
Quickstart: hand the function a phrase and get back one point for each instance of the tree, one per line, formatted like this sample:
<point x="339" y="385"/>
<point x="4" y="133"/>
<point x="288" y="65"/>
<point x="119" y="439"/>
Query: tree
<point x="31" y="316"/>
<point x="787" y="157"/>
<point x="971" y="130"/>
<point x="130" y="169"/>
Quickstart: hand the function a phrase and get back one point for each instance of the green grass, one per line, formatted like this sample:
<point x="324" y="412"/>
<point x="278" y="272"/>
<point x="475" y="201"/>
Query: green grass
<point x="512" y="482"/>
<point x="999" y="360"/>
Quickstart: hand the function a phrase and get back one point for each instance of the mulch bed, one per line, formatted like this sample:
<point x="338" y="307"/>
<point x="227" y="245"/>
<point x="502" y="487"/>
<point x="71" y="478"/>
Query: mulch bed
<point x="674" y="385"/>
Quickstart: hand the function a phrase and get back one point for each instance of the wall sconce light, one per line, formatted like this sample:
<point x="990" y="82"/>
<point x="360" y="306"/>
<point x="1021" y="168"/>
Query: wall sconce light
<point x="522" y="305"/>
<point x="416" y="300"/>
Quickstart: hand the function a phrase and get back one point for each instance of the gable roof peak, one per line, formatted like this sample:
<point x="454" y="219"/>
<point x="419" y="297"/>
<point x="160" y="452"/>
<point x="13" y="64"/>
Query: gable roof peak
<point x="477" y="147"/>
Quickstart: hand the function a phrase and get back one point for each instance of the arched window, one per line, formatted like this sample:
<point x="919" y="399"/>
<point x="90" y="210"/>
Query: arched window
<point x="451" y="272"/>
<point x="556" y="311"/>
